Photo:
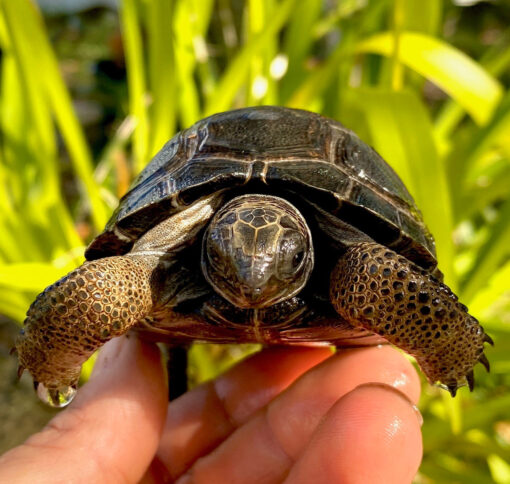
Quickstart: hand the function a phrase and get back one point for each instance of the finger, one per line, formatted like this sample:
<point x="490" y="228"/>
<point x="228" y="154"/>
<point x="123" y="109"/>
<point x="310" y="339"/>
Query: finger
<point x="297" y="412"/>
<point x="202" y="418"/>
<point x="372" y="434"/>
<point x="264" y="449"/>
<point x="109" y="433"/>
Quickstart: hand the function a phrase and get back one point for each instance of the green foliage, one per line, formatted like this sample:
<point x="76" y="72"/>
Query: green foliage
<point x="371" y="65"/>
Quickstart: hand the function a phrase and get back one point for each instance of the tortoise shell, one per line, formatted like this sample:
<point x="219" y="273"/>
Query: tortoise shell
<point x="277" y="150"/>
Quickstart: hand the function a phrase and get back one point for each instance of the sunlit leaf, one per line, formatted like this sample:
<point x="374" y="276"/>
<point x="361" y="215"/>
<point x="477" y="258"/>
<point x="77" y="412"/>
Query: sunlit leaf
<point x="500" y="469"/>
<point x="235" y="74"/>
<point x="41" y="275"/>
<point x="138" y="95"/>
<point x="488" y="258"/>
<point x="458" y="75"/>
<point x="162" y="75"/>
<point x="36" y="55"/>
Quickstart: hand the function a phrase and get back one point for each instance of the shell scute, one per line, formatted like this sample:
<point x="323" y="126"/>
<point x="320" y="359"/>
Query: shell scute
<point x="282" y="151"/>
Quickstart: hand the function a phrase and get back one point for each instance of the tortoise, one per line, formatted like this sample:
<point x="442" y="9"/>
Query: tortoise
<point x="267" y="225"/>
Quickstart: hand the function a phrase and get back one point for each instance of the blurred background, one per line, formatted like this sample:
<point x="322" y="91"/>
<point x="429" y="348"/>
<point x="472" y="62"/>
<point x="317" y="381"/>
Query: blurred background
<point x="91" y="89"/>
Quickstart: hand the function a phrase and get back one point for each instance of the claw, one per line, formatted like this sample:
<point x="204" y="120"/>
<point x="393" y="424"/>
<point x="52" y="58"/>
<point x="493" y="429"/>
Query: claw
<point x="13" y="350"/>
<point x="452" y="388"/>
<point x="470" y="377"/>
<point x="21" y="369"/>
<point x="485" y="362"/>
<point x="488" y="339"/>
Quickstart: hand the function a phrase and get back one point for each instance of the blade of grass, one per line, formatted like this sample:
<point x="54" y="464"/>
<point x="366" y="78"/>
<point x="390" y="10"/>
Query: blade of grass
<point x="297" y="45"/>
<point x="495" y="61"/>
<point x="313" y="86"/>
<point x="185" y="59"/>
<point x="41" y="275"/>
<point x="420" y="16"/>
<point x="497" y="287"/>
<point x="36" y="55"/>
<point x="488" y="258"/>
<point x="162" y="74"/>
<point x="437" y="436"/>
<point x="260" y="85"/>
<point x="206" y="70"/>
<point x="135" y="65"/>
<point x="453" y="71"/>
<point x="235" y="74"/>
<point x="489" y="187"/>
<point x="461" y="162"/>
<point x="14" y="303"/>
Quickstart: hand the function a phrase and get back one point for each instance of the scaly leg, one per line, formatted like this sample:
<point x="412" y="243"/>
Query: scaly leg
<point x="79" y="313"/>
<point x="373" y="287"/>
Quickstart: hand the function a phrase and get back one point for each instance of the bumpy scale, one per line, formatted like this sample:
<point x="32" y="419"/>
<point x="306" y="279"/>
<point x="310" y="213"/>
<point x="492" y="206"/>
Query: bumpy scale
<point x="79" y="313"/>
<point x="376" y="288"/>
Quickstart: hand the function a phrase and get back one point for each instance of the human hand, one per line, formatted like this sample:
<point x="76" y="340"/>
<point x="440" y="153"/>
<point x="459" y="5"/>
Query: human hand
<point x="293" y="415"/>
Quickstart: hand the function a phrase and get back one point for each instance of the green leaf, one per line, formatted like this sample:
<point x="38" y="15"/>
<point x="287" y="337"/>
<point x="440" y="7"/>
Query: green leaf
<point x="488" y="187"/>
<point x="497" y="287"/>
<point x="186" y="58"/>
<point x="41" y="275"/>
<point x="452" y="70"/>
<point x="490" y="255"/>
<point x="494" y="132"/>
<point x="296" y="45"/>
<point x="14" y="303"/>
<point x="35" y="55"/>
<point x="231" y="81"/>
<point x="162" y="75"/>
<point x="138" y="95"/>
<point x="500" y="470"/>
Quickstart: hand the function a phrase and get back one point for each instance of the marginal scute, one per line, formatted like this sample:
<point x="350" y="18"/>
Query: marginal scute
<point x="434" y="327"/>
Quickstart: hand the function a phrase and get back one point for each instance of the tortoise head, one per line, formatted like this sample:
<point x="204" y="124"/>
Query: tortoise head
<point x="257" y="251"/>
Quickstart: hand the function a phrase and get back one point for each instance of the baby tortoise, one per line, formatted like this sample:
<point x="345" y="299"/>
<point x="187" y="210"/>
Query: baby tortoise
<point x="267" y="225"/>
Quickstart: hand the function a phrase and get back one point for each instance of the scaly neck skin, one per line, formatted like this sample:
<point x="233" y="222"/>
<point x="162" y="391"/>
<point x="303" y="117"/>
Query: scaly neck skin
<point x="257" y="251"/>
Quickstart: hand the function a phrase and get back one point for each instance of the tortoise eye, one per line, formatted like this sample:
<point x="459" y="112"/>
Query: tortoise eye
<point x="292" y="253"/>
<point x="298" y="258"/>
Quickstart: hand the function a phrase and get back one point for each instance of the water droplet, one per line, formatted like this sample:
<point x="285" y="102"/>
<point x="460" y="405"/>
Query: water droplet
<point x="56" y="397"/>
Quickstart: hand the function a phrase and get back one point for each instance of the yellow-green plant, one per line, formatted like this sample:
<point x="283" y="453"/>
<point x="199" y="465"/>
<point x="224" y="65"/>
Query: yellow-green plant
<point x="366" y="63"/>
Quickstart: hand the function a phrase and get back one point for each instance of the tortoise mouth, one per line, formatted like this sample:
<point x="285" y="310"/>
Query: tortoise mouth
<point x="249" y="297"/>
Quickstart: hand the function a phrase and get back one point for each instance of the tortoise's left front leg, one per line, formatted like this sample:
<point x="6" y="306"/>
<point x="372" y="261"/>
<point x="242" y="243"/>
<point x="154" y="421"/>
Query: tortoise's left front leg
<point x="72" y="318"/>
<point x="375" y="288"/>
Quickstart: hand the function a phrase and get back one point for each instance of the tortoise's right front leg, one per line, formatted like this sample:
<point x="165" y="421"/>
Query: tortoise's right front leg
<point x="72" y="318"/>
<point x="383" y="292"/>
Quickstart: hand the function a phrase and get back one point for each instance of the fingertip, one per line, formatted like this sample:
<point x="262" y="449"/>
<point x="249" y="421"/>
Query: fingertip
<point x="375" y="424"/>
<point x="392" y="368"/>
<point x="297" y="412"/>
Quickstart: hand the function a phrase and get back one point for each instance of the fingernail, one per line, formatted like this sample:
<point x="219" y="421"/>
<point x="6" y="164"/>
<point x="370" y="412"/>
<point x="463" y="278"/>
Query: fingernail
<point x="387" y="387"/>
<point x="418" y="414"/>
